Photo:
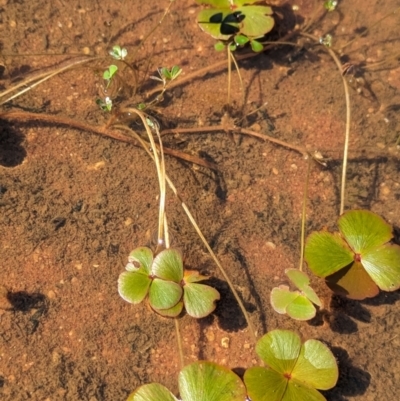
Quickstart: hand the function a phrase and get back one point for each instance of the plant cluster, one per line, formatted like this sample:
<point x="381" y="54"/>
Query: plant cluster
<point x="169" y="287"/>
<point x="294" y="372"/>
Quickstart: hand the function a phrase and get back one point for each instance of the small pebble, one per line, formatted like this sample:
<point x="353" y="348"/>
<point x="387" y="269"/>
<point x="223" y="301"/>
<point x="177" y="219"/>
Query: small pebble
<point x="385" y="190"/>
<point x="128" y="222"/>
<point x="210" y="336"/>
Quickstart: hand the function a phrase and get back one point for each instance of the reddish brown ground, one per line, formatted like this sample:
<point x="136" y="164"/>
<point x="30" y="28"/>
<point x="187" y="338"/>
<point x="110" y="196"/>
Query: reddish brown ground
<point x="73" y="204"/>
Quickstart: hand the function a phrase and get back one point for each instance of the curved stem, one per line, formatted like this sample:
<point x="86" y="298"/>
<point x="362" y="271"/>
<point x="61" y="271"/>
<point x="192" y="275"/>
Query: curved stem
<point x="240" y="79"/>
<point x="348" y="120"/>
<point x="347" y="133"/>
<point x="228" y="49"/>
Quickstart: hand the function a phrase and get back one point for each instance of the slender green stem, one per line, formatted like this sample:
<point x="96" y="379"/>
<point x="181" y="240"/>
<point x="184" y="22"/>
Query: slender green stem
<point x="179" y="342"/>
<point x="240" y="78"/>
<point x="304" y="214"/>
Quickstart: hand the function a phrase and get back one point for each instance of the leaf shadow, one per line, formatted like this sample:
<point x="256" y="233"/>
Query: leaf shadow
<point x="342" y="313"/>
<point x="383" y="298"/>
<point x="230" y="317"/>
<point x="22" y="301"/>
<point x="12" y="152"/>
<point x="30" y="307"/>
<point x="352" y="380"/>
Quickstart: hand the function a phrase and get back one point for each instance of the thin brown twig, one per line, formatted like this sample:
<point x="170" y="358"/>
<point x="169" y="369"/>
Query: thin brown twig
<point x="99" y="130"/>
<point x="297" y="148"/>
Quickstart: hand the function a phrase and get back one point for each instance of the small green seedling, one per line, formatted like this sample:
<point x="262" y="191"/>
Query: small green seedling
<point x="105" y="104"/>
<point x="359" y="260"/>
<point x="118" y="53"/>
<point x="326" y="40"/>
<point x="232" y="20"/>
<point x="199" y="381"/>
<point x="166" y="75"/>
<point x="330" y="5"/>
<point x="109" y="74"/>
<point x="295" y="371"/>
<point x="167" y="285"/>
<point x="298" y="305"/>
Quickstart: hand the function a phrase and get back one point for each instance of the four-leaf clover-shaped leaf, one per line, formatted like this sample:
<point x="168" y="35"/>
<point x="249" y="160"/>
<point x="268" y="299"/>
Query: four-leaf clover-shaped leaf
<point x="295" y="371"/>
<point x="360" y="260"/>
<point x="159" y="278"/>
<point x="168" y="287"/>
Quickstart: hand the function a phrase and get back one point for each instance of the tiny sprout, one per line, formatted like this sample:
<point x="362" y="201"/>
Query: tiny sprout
<point x="326" y="40"/>
<point x="330" y="5"/>
<point x="117" y="53"/>
<point x="232" y="47"/>
<point x="110" y="72"/>
<point x="105" y="105"/>
<point x="256" y="46"/>
<point x="219" y="46"/>
<point x="167" y="75"/>
<point x="241" y="40"/>
<point x="152" y="123"/>
<point x="319" y="158"/>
